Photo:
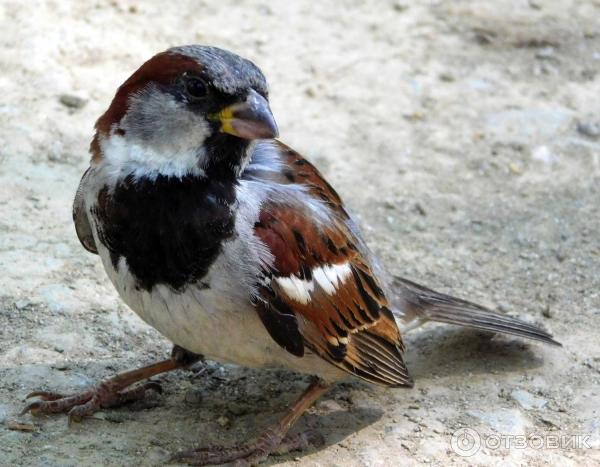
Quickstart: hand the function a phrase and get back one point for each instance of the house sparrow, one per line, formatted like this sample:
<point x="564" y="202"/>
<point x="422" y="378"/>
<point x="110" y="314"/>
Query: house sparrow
<point x="233" y="246"/>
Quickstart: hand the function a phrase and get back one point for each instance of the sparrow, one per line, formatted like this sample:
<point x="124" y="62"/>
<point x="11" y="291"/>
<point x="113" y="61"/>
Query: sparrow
<point x="235" y="247"/>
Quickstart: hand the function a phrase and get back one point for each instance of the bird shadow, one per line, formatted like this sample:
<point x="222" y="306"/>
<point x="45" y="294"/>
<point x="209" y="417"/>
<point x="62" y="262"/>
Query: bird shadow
<point x="334" y="427"/>
<point x="442" y="350"/>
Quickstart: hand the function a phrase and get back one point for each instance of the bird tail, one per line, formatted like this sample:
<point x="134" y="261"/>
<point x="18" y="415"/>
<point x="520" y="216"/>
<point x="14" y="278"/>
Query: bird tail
<point x="418" y="304"/>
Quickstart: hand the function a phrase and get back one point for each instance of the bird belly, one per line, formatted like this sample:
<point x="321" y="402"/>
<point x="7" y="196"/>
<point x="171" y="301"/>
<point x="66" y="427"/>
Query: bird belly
<point x="220" y="324"/>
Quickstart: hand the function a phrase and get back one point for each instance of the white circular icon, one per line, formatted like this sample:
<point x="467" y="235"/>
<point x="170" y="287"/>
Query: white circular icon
<point x="465" y="442"/>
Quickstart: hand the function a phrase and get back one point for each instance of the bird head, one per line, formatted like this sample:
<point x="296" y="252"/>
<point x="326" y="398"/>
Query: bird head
<point x="190" y="109"/>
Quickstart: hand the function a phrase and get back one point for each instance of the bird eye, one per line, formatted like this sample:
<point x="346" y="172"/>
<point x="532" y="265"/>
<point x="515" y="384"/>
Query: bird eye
<point x="195" y="88"/>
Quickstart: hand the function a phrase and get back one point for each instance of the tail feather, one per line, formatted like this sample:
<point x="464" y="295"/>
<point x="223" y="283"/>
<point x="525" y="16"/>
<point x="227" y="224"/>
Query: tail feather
<point x="423" y="304"/>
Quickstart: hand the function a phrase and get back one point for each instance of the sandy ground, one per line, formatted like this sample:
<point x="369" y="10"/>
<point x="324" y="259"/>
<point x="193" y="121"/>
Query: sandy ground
<point x="464" y="134"/>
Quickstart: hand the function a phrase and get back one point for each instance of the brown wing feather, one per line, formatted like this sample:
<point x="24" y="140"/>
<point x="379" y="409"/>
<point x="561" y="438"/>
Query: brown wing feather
<point x="352" y="327"/>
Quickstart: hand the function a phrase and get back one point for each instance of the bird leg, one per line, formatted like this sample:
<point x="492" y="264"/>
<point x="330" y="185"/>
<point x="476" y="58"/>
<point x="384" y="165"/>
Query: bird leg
<point x="271" y="441"/>
<point x="111" y="392"/>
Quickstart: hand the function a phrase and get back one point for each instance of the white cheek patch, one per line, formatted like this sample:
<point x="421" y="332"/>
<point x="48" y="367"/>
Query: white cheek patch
<point x="160" y="136"/>
<point x="126" y="157"/>
<point x="328" y="278"/>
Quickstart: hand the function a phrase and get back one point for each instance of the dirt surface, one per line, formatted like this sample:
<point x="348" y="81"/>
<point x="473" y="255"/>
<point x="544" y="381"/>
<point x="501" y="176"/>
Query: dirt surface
<point x="464" y="134"/>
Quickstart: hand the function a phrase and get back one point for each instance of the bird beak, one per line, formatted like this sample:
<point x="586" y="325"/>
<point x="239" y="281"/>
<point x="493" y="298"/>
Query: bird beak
<point x="251" y="119"/>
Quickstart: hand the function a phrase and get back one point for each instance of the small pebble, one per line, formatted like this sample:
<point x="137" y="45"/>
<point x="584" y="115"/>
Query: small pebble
<point x="420" y="209"/>
<point x="535" y="5"/>
<point x="72" y="101"/>
<point x="546" y="52"/>
<point x="589" y="129"/>
<point x="400" y="5"/>
<point x="61" y="366"/>
<point x="515" y="168"/>
<point x="527" y="400"/>
<point x="310" y="92"/>
<point x="26" y="427"/>
<point x="447" y="77"/>
<point x="22" y="304"/>
<point x="547" y="311"/>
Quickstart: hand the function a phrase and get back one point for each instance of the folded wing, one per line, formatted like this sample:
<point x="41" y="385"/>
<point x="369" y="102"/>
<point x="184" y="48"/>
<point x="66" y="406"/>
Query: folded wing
<point x="320" y="292"/>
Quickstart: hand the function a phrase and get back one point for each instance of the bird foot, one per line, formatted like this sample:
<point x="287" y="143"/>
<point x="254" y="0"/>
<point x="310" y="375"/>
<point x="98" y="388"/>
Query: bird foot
<point x="253" y="453"/>
<point x="104" y="395"/>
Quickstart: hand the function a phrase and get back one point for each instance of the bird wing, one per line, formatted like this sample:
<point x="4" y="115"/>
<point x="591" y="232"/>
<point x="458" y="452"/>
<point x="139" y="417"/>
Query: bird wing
<point x="320" y="291"/>
<point x="80" y="218"/>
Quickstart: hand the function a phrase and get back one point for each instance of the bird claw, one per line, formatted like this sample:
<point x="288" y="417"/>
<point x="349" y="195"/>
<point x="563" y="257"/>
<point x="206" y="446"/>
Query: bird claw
<point x="45" y="395"/>
<point x="84" y="404"/>
<point x="33" y="407"/>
